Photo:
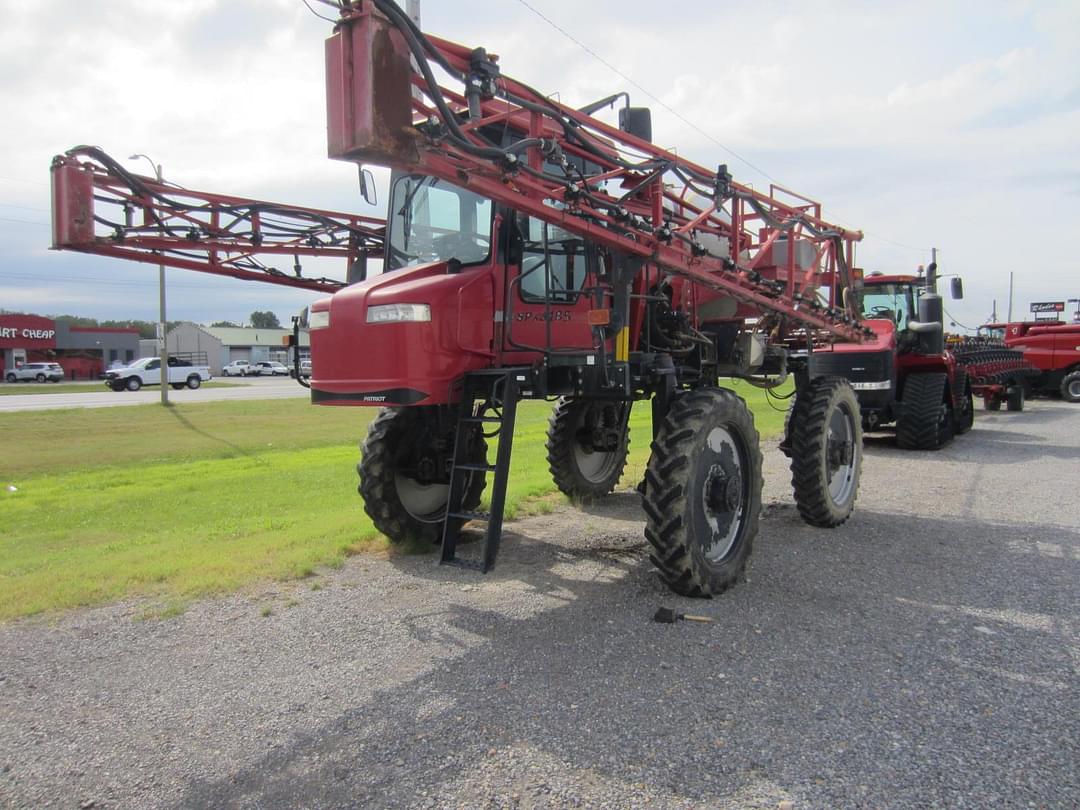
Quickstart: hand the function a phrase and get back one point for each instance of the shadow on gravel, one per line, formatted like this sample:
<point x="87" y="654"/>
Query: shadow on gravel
<point x="893" y="662"/>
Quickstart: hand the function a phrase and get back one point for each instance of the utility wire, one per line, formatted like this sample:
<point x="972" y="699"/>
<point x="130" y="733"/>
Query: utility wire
<point x="24" y="222"/>
<point x="626" y="78"/>
<point x="682" y="118"/>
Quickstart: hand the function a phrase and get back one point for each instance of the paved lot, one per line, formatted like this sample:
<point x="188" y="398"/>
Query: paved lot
<point x="923" y="655"/>
<point x="100" y="397"/>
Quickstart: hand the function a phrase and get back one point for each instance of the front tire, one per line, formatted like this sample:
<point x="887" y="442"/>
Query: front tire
<point x="1070" y="387"/>
<point x="703" y="492"/>
<point x="587" y="443"/>
<point x="133" y="384"/>
<point x="11" y="378"/>
<point x="926" y="420"/>
<point x="403" y="480"/>
<point x="825" y="437"/>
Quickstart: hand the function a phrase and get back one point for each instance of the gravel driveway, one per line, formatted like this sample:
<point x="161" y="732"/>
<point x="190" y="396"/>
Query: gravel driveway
<point x="923" y="655"/>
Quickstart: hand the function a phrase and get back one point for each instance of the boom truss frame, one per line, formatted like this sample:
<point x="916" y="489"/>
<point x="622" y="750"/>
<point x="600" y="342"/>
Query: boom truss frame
<point x="101" y="208"/>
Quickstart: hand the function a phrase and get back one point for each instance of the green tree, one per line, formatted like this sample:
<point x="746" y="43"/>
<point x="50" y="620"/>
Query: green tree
<point x="265" y="320"/>
<point x="224" y="324"/>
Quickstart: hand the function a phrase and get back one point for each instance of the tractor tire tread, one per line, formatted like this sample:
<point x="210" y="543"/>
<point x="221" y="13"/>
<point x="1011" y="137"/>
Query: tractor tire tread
<point x="561" y="437"/>
<point x="807" y="438"/>
<point x="1067" y="382"/>
<point x="668" y="476"/>
<point x="920" y="426"/>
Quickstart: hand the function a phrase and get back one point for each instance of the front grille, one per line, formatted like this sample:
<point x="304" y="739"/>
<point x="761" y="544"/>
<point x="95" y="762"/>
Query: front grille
<point x="855" y="366"/>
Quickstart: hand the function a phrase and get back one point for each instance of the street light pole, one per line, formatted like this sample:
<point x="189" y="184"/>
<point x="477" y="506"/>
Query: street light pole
<point x="163" y="352"/>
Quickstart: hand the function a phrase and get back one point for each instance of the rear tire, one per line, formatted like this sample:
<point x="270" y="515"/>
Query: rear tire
<point x="993" y="403"/>
<point x="1070" y="387"/>
<point x="703" y="492"/>
<point x="825" y="436"/>
<point x="1014" y="398"/>
<point x="579" y="470"/>
<point x="133" y="384"/>
<point x="40" y="378"/>
<point x="402" y="502"/>
<point x="926" y="420"/>
<point x="964" y="418"/>
<point x="193" y="382"/>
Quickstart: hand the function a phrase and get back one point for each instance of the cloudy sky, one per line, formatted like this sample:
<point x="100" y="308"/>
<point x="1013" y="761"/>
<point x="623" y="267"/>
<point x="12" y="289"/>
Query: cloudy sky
<point x="955" y="125"/>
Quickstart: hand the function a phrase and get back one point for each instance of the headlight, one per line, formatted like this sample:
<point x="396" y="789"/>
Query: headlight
<point x="319" y="319"/>
<point x="398" y="313"/>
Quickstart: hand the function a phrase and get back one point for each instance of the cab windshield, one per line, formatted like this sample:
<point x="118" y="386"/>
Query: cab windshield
<point x="889" y="301"/>
<point x="432" y="220"/>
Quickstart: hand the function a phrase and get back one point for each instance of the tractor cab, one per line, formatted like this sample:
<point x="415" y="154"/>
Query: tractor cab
<point x="912" y="304"/>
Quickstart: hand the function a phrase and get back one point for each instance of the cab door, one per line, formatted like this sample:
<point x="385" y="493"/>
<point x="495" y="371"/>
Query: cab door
<point x="547" y="293"/>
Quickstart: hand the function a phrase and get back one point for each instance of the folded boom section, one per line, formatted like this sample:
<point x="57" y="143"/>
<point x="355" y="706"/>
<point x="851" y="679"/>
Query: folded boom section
<point x="99" y="207"/>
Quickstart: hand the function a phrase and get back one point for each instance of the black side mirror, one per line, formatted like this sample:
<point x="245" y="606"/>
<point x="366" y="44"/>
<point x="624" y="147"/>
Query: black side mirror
<point x="636" y="121"/>
<point x="367" y="186"/>
<point x="957" y="287"/>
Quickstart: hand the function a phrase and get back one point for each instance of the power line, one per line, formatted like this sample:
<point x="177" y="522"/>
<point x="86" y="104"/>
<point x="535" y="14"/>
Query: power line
<point x="626" y="78"/>
<point x="24" y="207"/>
<point x="682" y="118"/>
<point x="25" y="222"/>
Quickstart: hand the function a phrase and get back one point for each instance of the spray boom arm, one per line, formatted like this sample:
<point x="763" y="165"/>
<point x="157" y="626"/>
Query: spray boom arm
<point x="562" y="166"/>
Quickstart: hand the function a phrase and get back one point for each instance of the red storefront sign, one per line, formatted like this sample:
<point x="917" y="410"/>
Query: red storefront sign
<point x="27" y="332"/>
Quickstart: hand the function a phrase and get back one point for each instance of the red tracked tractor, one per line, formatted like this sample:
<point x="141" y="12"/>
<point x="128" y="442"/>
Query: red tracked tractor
<point x="904" y="376"/>
<point x="532" y="251"/>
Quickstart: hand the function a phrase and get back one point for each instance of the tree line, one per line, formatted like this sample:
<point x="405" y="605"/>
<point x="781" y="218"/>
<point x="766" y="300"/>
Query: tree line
<point x="260" y="319"/>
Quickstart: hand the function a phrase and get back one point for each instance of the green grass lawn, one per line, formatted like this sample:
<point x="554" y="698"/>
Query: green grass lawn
<point x="12" y="389"/>
<point x="205" y="498"/>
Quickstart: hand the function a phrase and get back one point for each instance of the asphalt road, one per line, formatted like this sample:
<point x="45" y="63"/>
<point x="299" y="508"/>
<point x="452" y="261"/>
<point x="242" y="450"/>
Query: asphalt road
<point x="101" y="397"/>
<point x="923" y="655"/>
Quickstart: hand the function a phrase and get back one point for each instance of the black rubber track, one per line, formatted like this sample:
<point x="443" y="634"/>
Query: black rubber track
<point x="567" y="419"/>
<point x="964" y="413"/>
<point x="387" y="437"/>
<point x="1070" y="387"/>
<point x="922" y="424"/>
<point x="673" y="503"/>
<point x="808" y="436"/>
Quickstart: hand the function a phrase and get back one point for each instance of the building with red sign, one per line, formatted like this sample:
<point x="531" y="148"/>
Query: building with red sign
<point x="84" y="352"/>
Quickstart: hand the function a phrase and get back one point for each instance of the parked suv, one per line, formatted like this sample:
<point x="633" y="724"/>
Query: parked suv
<point x="35" y="371"/>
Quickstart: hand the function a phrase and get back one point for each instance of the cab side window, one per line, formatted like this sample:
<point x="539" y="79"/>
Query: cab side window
<point x="553" y="262"/>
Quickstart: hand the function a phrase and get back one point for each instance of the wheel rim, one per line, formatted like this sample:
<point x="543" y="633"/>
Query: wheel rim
<point x="425" y="502"/>
<point x="840" y="455"/>
<point x="595" y="465"/>
<point x="1074" y="388"/>
<point x="724" y="493"/>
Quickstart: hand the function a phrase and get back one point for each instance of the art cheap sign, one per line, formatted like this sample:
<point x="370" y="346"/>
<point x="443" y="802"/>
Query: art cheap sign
<point x="27" y="332"/>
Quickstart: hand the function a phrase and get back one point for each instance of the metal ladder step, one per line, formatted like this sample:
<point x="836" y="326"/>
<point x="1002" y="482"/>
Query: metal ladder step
<point x="484" y="386"/>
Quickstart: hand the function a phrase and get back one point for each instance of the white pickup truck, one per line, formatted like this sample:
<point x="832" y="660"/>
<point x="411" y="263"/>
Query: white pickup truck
<point x="147" y="371"/>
